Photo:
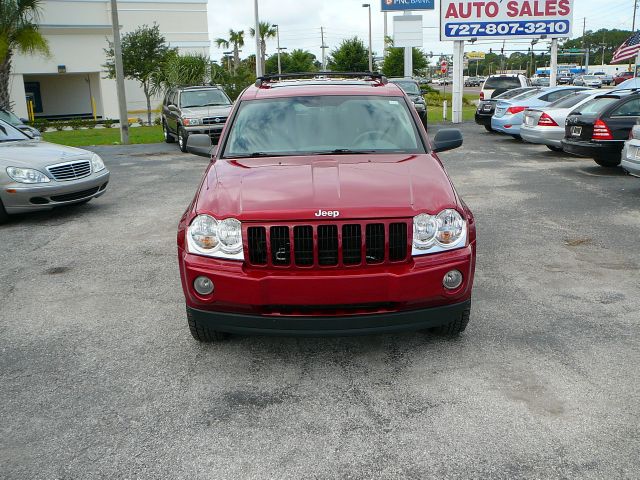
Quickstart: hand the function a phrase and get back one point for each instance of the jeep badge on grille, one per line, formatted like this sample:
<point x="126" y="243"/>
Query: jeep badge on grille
<point x="327" y="213"/>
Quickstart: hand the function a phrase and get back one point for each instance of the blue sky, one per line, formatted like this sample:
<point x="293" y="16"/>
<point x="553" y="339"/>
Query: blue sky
<point x="300" y="22"/>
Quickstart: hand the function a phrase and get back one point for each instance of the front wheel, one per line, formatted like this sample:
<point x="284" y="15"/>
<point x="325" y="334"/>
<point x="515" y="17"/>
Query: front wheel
<point x="554" y="149"/>
<point x="455" y="327"/>
<point x="168" y="138"/>
<point x="203" y="334"/>
<point x="182" y="139"/>
<point x="608" y="162"/>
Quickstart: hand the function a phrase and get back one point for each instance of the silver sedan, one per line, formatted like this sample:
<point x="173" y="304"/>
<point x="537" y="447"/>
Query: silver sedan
<point x="631" y="153"/>
<point x="37" y="175"/>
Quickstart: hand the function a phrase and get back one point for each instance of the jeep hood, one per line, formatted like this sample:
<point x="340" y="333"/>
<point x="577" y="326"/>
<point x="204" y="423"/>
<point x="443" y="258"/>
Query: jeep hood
<point x="295" y="188"/>
<point x="212" y="111"/>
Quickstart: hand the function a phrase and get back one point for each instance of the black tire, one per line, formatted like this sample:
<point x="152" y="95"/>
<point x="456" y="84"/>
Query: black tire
<point x="608" y="162"/>
<point x="488" y="128"/>
<point x="168" y="138"/>
<point x="554" y="149"/>
<point x="202" y="333"/>
<point x="517" y="137"/>
<point x="4" y="216"/>
<point x="182" y="139"/>
<point x="455" y="327"/>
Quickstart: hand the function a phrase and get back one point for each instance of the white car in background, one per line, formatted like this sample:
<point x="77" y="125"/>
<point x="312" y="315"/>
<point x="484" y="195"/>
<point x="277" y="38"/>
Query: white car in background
<point x="546" y="125"/>
<point x="496" y="85"/>
<point x="631" y="153"/>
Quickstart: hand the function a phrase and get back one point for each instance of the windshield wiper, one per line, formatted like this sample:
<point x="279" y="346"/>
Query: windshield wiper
<point x="345" y="151"/>
<point x="216" y="105"/>
<point x="257" y="155"/>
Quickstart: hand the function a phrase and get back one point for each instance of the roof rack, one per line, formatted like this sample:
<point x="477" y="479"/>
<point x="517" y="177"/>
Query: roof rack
<point x="265" y="79"/>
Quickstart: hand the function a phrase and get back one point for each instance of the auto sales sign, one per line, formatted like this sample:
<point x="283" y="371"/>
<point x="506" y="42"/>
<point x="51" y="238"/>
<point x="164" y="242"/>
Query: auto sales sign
<point x="465" y="19"/>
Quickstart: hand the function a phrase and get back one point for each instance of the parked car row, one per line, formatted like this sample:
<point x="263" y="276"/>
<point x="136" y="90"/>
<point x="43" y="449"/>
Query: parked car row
<point x="604" y="126"/>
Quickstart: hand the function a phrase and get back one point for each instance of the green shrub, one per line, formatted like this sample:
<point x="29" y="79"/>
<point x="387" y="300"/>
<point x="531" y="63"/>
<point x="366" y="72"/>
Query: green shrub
<point x="157" y="121"/>
<point x="108" y="123"/>
<point x="90" y="124"/>
<point x="76" y="123"/>
<point x="41" y="125"/>
<point x="59" y="126"/>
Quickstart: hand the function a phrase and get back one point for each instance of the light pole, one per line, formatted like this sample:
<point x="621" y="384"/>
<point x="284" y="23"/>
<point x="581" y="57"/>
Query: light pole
<point x="258" y="46"/>
<point x="117" y="50"/>
<point x="277" y="27"/>
<point x="368" y="5"/>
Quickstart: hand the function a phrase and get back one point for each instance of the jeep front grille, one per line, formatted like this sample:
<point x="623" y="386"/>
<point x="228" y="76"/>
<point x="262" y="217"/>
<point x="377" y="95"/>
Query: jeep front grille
<point x="328" y="245"/>
<point x="214" y="121"/>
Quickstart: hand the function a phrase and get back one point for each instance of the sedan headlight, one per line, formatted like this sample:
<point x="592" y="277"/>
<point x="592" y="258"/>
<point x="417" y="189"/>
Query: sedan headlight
<point x="439" y="233"/>
<point x="27" y="175"/>
<point x="210" y="237"/>
<point x="96" y="163"/>
<point x="190" y="122"/>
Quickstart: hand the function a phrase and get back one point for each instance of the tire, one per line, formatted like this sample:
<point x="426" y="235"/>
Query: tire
<point x="608" y="162"/>
<point x="4" y="216"/>
<point x="182" y="139"/>
<point x="202" y="333"/>
<point x="488" y="128"/>
<point x="168" y="138"/>
<point x="455" y="327"/>
<point x="554" y="149"/>
<point x="517" y="137"/>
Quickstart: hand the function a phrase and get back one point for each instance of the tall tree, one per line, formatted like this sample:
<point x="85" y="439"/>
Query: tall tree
<point x="350" y="56"/>
<point x="236" y="39"/>
<point x="144" y="52"/>
<point x="298" y="61"/>
<point x="18" y="32"/>
<point x="266" y="31"/>
<point x="187" y="69"/>
<point x="393" y="65"/>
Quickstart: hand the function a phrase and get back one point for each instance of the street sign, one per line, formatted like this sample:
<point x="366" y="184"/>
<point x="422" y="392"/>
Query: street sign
<point x="400" y="5"/>
<point x="444" y="67"/>
<point x="465" y="19"/>
<point x="475" y="55"/>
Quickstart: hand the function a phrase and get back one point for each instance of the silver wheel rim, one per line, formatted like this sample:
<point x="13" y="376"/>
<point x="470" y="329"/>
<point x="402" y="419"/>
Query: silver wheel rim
<point x="180" y="139"/>
<point x="164" y="131"/>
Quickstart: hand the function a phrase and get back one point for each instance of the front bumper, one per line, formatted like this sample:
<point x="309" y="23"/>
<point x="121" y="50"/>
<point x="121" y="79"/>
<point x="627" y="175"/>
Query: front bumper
<point x="21" y="198"/>
<point x="214" y="131"/>
<point x="551" y="136"/>
<point x="583" y="148"/>
<point x="509" y="124"/>
<point x="631" y="160"/>
<point x="325" y="326"/>
<point x="387" y="295"/>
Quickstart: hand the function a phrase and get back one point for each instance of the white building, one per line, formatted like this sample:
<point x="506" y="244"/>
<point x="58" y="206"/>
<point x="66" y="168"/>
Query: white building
<point x="71" y="81"/>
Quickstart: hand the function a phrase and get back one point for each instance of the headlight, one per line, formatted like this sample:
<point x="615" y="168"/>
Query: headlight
<point x="190" y="122"/>
<point x="207" y="236"/>
<point x="27" y="175"/>
<point x="96" y="163"/>
<point x="433" y="234"/>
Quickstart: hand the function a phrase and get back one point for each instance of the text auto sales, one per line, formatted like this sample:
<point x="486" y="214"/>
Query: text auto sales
<point x="506" y="18"/>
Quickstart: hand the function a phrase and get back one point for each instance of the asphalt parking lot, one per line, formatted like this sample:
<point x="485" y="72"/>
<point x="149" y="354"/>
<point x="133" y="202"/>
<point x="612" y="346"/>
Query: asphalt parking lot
<point x="100" y="377"/>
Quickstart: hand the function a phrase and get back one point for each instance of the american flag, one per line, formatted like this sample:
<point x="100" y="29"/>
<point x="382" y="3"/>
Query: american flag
<point x="628" y="49"/>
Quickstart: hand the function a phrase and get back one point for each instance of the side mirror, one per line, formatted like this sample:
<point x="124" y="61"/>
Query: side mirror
<point x="200" y="144"/>
<point x="172" y="108"/>
<point x="447" y="139"/>
<point x="24" y="120"/>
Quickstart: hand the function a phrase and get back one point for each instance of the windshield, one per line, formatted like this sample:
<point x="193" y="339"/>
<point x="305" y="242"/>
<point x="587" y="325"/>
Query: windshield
<point x="8" y="133"/>
<point x="594" y="106"/>
<point x="409" y="87"/>
<point x="203" y="98"/>
<point x="9" y="117"/>
<point x="589" y="77"/>
<point x="496" y="83"/>
<point x="513" y="93"/>
<point x="323" y="124"/>
<point x="569" y="101"/>
<point x="528" y="94"/>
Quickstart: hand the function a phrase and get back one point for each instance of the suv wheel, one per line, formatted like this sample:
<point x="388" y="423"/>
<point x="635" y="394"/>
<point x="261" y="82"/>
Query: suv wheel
<point x="4" y="216"/>
<point x="182" y="139"/>
<point x="203" y="334"/>
<point x="168" y="138"/>
<point x="607" y="162"/>
<point x="455" y="327"/>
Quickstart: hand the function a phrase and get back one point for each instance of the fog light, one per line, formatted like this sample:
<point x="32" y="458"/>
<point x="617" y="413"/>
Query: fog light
<point x="203" y="285"/>
<point x="452" y="280"/>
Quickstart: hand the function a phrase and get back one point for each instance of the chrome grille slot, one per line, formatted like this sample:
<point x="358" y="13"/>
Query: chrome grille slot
<point x="375" y="243"/>
<point x="257" y="240"/>
<point x="328" y="245"/>
<point x="351" y="244"/>
<point x="303" y="245"/>
<point x="280" y="246"/>
<point x="397" y="242"/>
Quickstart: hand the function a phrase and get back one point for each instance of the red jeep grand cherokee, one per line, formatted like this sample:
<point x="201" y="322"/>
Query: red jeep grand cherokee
<point x="325" y="210"/>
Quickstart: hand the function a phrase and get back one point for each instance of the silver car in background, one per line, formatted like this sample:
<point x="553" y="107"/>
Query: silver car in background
<point x="36" y="175"/>
<point x="631" y="153"/>
<point x="545" y="125"/>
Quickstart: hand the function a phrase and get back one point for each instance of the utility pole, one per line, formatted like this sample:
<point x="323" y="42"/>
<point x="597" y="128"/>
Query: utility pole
<point x="633" y="28"/>
<point x="258" y="45"/>
<point x="122" y="99"/>
<point x="386" y="50"/>
<point x="323" y="47"/>
<point x="585" y="46"/>
<point x="368" y="5"/>
<point x="278" y="39"/>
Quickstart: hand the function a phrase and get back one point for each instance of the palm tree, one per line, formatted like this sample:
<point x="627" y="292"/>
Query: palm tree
<point x="18" y="32"/>
<point x="267" y="30"/>
<point x="237" y="40"/>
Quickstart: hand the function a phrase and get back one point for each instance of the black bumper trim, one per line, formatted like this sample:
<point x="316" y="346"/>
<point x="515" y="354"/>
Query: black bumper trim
<point x="483" y="119"/>
<point x="592" y="149"/>
<point x="329" y="326"/>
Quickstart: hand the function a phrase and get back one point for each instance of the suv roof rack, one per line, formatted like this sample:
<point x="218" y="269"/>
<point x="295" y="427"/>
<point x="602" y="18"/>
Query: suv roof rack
<point x="261" y="82"/>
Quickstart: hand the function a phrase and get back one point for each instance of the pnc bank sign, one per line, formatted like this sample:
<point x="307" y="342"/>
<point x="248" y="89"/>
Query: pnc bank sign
<point x="464" y="19"/>
<point x="399" y="5"/>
